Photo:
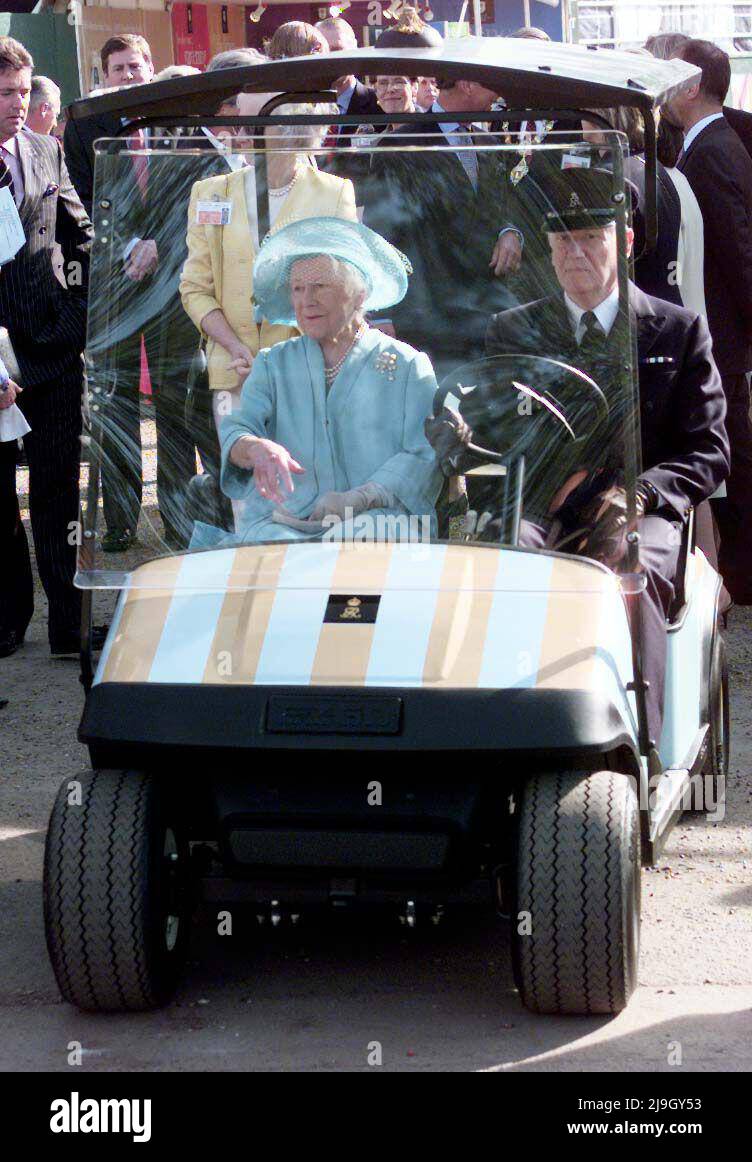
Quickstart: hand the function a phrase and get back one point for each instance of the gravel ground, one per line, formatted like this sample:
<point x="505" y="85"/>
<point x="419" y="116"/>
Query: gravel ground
<point x="314" y="999"/>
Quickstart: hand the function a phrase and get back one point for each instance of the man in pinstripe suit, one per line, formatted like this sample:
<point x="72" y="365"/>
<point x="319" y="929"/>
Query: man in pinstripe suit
<point x="46" y="323"/>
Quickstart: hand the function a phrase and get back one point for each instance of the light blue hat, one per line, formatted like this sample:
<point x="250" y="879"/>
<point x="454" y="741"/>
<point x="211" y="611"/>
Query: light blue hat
<point x="384" y="268"/>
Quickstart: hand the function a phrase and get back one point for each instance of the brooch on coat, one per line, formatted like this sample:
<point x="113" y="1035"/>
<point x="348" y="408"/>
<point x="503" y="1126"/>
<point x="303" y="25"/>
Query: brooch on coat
<point x="386" y="364"/>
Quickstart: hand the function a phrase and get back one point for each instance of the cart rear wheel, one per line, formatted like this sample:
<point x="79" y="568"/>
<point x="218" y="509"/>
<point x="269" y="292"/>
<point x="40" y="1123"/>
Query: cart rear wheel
<point x="116" y="905"/>
<point x="577" y="929"/>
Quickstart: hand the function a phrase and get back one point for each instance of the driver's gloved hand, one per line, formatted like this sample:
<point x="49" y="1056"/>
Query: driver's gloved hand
<point x="606" y="518"/>
<point x="449" y="436"/>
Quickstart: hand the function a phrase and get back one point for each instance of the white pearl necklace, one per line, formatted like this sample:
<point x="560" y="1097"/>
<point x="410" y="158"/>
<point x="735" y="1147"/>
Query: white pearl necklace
<point x="331" y="373"/>
<point x="283" y="191"/>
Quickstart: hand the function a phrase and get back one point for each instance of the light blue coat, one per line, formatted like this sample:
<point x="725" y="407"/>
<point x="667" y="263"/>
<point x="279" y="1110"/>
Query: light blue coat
<point x="368" y="427"/>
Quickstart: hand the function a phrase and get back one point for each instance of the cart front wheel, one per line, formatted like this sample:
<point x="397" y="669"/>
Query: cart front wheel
<point x="577" y="928"/>
<point x="116" y="904"/>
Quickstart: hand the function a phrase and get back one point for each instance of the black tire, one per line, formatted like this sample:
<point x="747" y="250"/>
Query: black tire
<point x="116" y="905"/>
<point x="716" y="766"/>
<point x="578" y="881"/>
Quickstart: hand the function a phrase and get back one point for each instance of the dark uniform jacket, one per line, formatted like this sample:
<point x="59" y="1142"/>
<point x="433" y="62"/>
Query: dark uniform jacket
<point x="47" y="321"/>
<point x="685" y="451"/>
<point x="719" y="170"/>
<point x="425" y="204"/>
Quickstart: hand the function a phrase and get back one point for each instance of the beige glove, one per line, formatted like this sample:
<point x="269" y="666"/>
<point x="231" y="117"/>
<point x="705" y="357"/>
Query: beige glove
<point x="358" y="500"/>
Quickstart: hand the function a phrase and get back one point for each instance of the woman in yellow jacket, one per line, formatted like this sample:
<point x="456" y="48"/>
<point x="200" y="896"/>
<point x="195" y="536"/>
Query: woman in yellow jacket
<point x="216" y="285"/>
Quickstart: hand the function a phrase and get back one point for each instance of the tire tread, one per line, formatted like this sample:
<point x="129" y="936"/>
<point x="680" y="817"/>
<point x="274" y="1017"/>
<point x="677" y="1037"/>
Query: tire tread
<point x="575" y="832"/>
<point x="97" y="887"/>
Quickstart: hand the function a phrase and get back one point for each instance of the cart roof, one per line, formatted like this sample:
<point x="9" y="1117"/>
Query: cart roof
<point x="529" y="74"/>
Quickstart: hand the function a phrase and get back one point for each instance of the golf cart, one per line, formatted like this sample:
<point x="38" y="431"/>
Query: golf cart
<point x="397" y="721"/>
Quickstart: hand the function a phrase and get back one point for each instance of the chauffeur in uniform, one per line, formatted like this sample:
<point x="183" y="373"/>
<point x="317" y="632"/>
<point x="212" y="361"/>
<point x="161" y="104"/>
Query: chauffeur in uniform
<point x="685" y="452"/>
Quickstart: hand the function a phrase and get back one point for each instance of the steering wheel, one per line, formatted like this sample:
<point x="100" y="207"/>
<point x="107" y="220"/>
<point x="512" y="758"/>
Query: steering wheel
<point x="531" y="422"/>
<point x="491" y="395"/>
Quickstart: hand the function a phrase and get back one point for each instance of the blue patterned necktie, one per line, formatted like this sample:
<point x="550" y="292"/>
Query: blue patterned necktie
<point x="467" y="156"/>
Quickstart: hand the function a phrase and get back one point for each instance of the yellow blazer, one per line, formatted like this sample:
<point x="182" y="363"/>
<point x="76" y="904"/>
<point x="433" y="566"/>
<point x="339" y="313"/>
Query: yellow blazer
<point x="218" y="272"/>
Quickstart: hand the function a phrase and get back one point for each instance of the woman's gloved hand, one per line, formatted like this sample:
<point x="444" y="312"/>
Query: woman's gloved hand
<point x="358" y="500"/>
<point x="449" y="436"/>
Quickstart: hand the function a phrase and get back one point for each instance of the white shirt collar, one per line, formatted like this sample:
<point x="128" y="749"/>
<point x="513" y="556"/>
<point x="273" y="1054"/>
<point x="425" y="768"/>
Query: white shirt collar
<point x="540" y="130"/>
<point x="218" y="144"/>
<point x="10" y="146"/>
<point x="446" y="127"/>
<point x="235" y="161"/>
<point x="605" y="313"/>
<point x="697" y="129"/>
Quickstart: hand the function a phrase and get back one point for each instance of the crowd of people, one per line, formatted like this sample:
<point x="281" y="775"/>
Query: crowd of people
<point x="308" y="311"/>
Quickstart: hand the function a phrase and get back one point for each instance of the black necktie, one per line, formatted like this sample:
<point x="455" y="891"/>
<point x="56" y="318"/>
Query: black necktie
<point x="593" y="355"/>
<point x="6" y="179"/>
<point x="593" y="341"/>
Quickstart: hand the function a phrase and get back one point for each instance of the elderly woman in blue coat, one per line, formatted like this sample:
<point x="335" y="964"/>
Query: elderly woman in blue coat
<point x="329" y="433"/>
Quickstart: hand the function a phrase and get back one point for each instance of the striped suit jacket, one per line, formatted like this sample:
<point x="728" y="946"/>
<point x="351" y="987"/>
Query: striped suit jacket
<point x="47" y="321"/>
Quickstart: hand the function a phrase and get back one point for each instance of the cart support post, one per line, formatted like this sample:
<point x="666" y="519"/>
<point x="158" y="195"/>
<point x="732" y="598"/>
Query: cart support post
<point x="632" y="452"/>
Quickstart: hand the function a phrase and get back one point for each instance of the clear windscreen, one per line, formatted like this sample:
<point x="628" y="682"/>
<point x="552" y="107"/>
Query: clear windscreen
<point x="372" y="337"/>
